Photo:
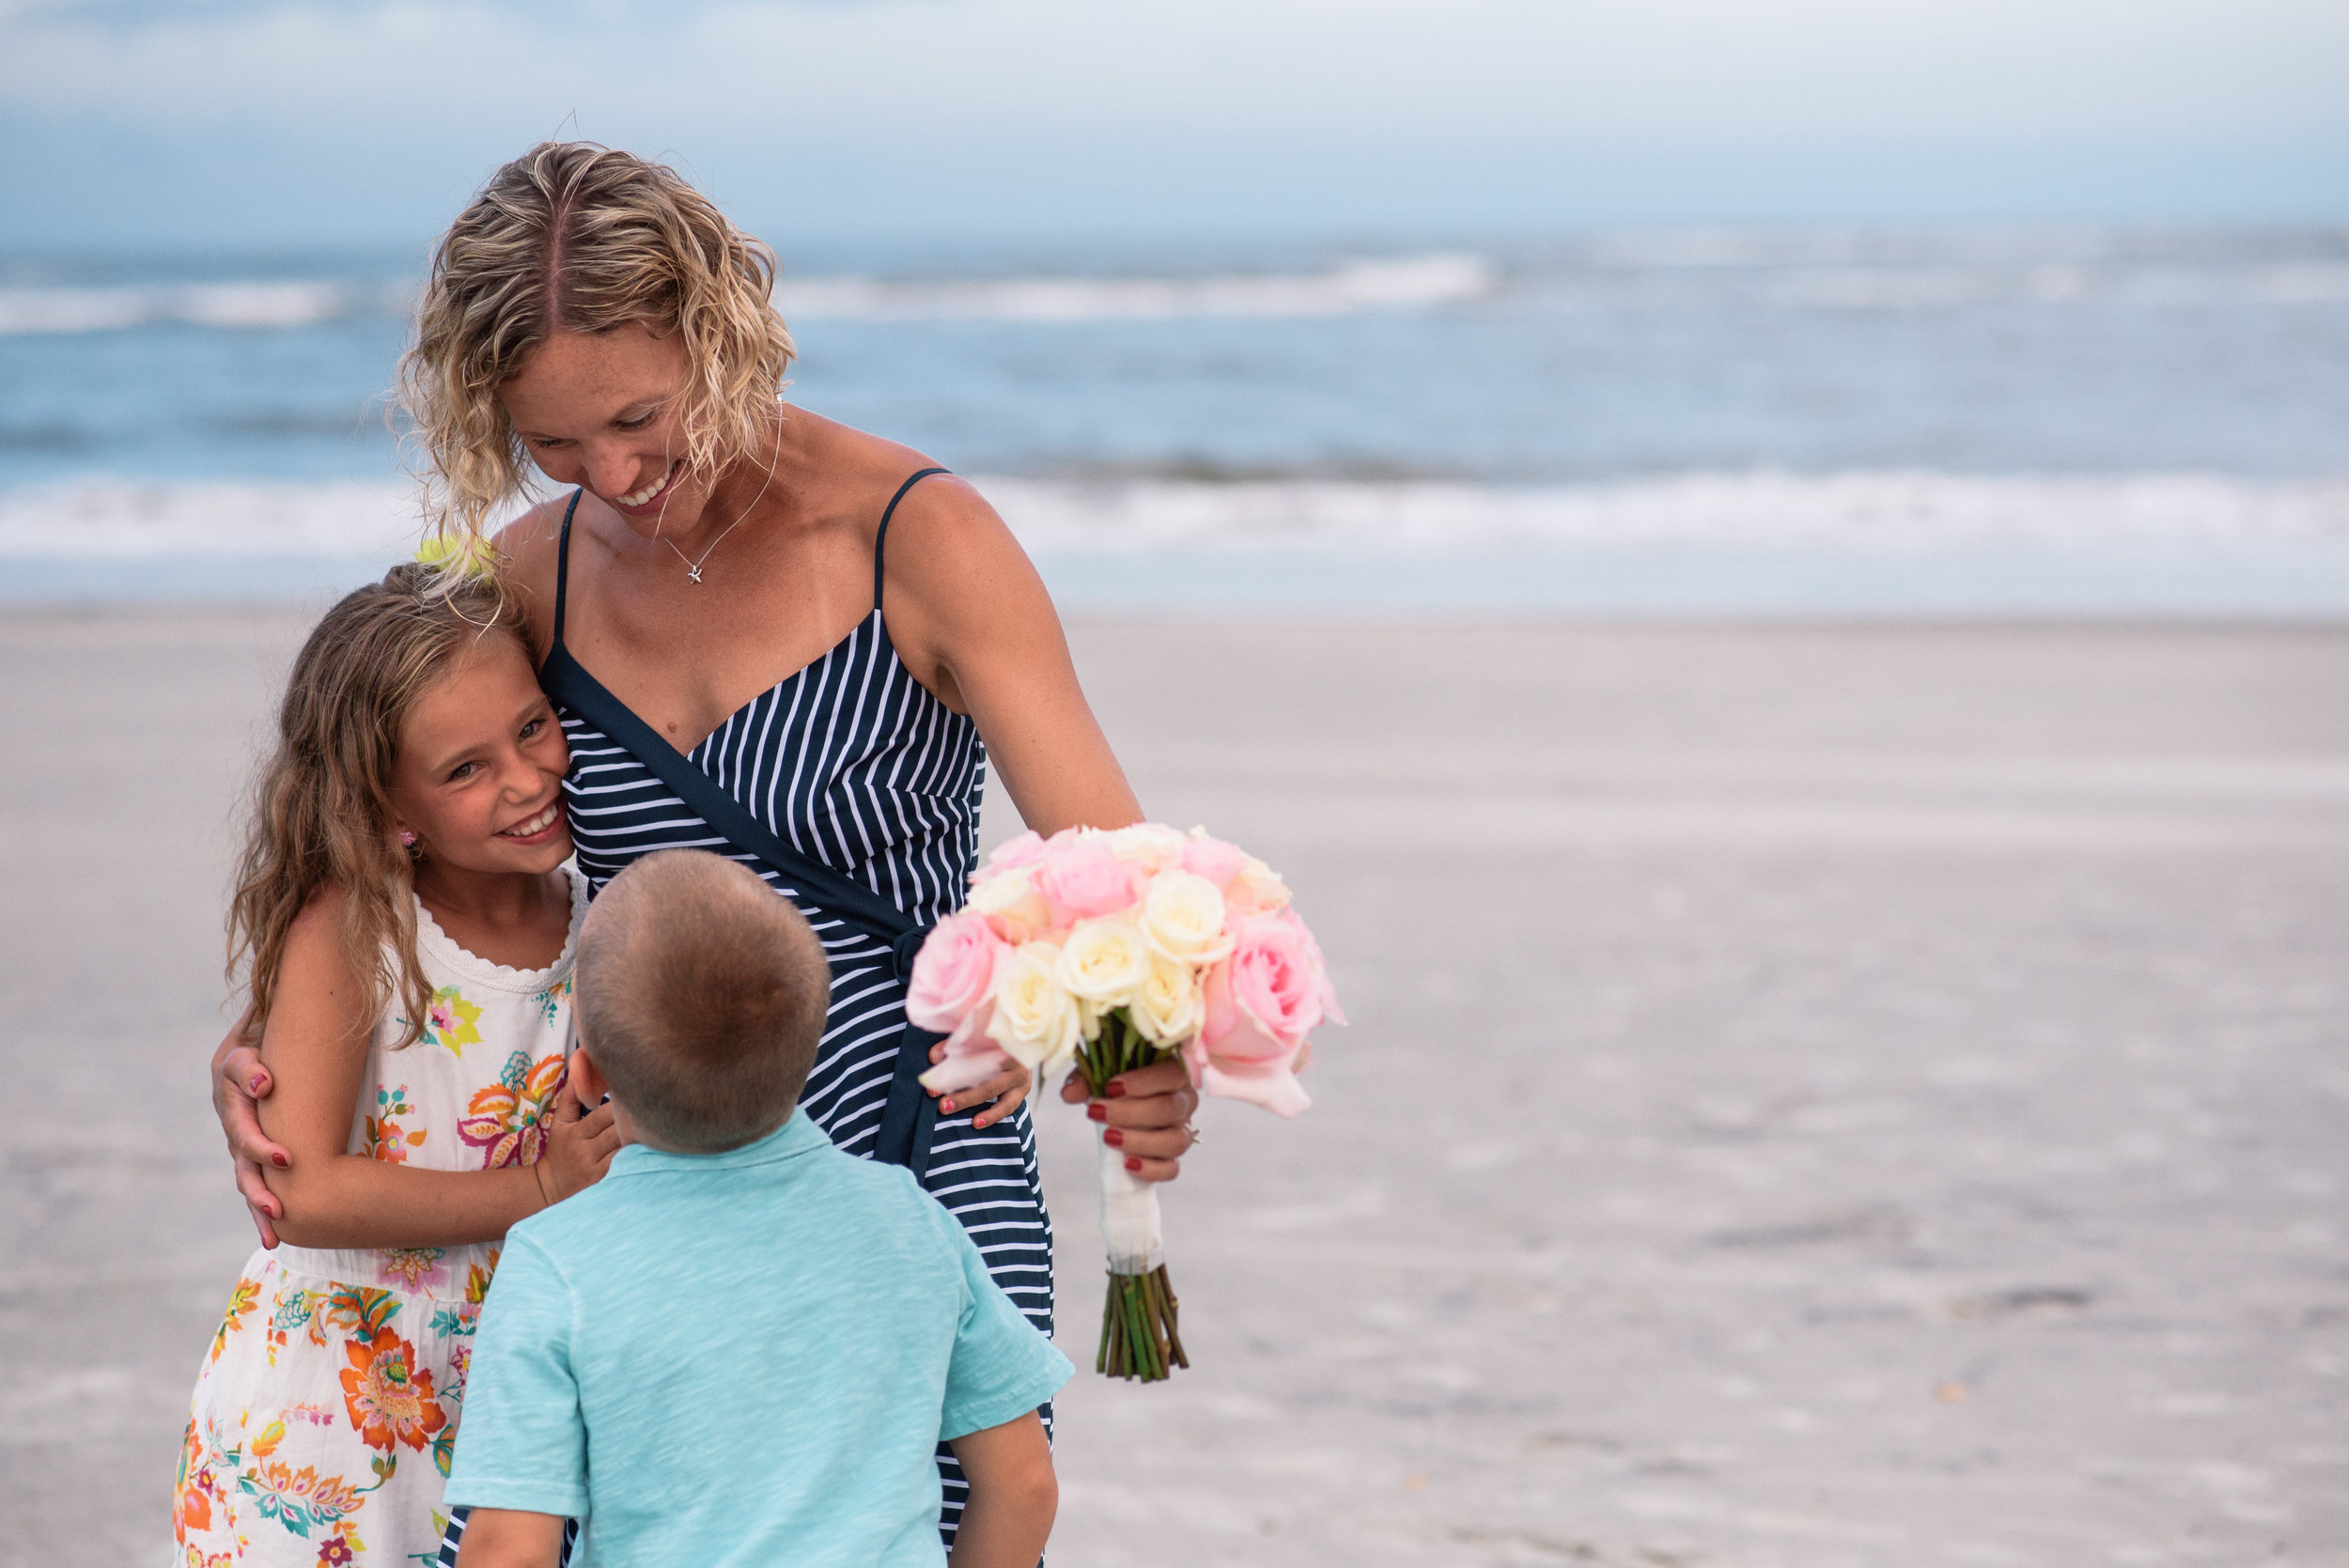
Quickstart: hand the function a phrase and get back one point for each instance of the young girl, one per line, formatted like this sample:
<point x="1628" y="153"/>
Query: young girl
<point x="408" y="917"/>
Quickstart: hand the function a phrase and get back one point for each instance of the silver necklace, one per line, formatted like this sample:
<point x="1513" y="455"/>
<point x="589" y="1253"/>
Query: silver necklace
<point x="693" y="568"/>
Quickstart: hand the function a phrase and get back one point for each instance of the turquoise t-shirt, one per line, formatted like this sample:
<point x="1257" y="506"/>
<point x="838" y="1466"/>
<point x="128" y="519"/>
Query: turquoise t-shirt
<point x="743" y="1358"/>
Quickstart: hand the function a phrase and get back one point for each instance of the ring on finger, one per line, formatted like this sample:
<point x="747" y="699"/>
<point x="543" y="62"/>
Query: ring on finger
<point x="1192" y="1133"/>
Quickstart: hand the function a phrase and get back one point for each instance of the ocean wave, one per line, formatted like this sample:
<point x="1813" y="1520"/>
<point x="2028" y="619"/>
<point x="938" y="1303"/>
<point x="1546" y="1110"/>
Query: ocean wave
<point x="1405" y="283"/>
<point x="1345" y="289"/>
<point x="1912" y="289"/>
<point x="1885" y="513"/>
<point x="234" y="304"/>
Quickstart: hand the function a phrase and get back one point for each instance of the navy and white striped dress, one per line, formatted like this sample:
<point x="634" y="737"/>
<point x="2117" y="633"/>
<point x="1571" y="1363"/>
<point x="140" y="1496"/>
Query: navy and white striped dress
<point x="854" y="763"/>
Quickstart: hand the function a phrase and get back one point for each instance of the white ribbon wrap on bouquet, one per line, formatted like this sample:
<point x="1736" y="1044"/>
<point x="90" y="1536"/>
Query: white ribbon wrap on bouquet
<point x="1129" y="1215"/>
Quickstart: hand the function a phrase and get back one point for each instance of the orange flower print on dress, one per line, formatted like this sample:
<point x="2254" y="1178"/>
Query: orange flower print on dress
<point x="508" y="1120"/>
<point x="300" y="1500"/>
<point x="240" y="1304"/>
<point x="478" y="1279"/>
<point x="386" y="1139"/>
<point x="196" y="1491"/>
<point x="388" y="1397"/>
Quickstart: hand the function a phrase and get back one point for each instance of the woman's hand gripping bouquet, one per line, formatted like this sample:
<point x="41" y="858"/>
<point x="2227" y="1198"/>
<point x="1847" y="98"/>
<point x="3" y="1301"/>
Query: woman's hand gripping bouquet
<point x="1114" y="951"/>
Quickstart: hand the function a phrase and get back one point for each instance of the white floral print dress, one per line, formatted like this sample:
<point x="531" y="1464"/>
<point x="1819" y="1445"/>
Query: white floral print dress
<point x="325" y="1413"/>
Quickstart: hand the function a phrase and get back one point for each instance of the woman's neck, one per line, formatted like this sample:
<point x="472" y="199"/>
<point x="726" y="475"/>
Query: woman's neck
<point x="750" y="492"/>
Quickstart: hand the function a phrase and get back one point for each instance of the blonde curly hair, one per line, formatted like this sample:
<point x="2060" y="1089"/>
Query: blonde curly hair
<point x="321" y="811"/>
<point x="573" y="237"/>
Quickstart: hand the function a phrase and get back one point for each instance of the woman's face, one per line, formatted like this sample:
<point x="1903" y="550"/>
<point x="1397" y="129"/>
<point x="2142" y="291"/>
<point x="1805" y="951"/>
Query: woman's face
<point x="600" y="410"/>
<point x="480" y="779"/>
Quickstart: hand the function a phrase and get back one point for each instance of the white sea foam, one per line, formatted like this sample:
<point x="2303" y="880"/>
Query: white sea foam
<point x="234" y="304"/>
<point x="1888" y="513"/>
<point x="1353" y="286"/>
<point x="112" y="520"/>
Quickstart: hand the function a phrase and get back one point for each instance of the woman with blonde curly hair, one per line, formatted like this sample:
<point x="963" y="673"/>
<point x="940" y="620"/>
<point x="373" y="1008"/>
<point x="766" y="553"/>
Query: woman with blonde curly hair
<point x="766" y="633"/>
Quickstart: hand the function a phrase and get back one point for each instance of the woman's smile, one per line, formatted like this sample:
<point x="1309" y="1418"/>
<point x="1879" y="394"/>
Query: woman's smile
<point x="642" y="501"/>
<point x="538" y="828"/>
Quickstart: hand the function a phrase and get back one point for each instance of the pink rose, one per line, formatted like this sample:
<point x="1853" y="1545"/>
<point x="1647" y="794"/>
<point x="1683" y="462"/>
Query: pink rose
<point x="1329" y="1008"/>
<point x="1083" y="879"/>
<point x="1261" y="1003"/>
<point x="1011" y="855"/>
<point x="1213" y="859"/>
<point x="952" y="972"/>
<point x="971" y="1057"/>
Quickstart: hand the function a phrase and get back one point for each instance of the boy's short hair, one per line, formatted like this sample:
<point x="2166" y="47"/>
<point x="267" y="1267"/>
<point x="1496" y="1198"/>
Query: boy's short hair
<point x="701" y="995"/>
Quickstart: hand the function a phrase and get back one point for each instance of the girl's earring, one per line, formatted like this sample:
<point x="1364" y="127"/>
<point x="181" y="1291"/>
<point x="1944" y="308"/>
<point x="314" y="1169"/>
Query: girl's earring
<point x="406" y="839"/>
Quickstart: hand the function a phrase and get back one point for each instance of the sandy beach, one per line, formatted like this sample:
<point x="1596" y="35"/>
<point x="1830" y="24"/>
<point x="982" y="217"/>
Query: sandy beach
<point x="1817" y="1096"/>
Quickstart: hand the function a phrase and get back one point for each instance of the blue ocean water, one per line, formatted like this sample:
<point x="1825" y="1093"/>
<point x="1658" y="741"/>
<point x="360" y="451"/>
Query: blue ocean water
<point x="1617" y="366"/>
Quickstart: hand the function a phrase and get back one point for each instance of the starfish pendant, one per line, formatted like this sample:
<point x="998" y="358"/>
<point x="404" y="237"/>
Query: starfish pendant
<point x="693" y="573"/>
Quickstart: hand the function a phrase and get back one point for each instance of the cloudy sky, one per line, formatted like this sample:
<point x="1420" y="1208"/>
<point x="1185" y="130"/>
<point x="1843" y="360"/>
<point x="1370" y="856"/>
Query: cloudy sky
<point x="207" y="122"/>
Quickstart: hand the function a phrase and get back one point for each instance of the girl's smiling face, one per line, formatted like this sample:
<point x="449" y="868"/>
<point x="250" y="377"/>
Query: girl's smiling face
<point x="479" y="778"/>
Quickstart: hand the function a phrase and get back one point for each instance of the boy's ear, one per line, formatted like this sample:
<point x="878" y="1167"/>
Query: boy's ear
<point x="585" y="1080"/>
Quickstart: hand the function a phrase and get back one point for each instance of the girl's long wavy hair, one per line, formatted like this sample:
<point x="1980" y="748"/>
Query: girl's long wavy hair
<point x="321" y="811"/>
<point x="573" y="237"/>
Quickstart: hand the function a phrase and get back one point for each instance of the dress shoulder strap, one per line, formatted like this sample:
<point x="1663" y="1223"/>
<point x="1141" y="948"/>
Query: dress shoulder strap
<point x="881" y="540"/>
<point x="563" y="565"/>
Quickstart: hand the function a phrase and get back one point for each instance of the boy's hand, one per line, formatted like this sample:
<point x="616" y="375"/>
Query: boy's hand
<point x="509" y="1537"/>
<point x="239" y="1083"/>
<point x="580" y="1145"/>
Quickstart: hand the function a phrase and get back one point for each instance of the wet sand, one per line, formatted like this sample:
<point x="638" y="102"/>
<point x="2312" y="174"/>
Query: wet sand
<point x="1817" y="1096"/>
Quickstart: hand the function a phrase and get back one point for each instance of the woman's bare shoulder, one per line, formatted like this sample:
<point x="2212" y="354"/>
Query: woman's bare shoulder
<point x="529" y="546"/>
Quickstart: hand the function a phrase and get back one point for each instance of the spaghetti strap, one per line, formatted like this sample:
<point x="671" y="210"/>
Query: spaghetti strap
<point x="563" y="567"/>
<point x="880" y="540"/>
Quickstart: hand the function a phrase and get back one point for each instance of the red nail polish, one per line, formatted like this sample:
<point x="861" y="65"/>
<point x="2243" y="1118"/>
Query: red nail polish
<point x="1116" y="1089"/>
<point x="1099" y="1112"/>
<point x="281" y="1162"/>
<point x="944" y="1106"/>
<point x="1133" y="1164"/>
<point x="255" y="1084"/>
<point x="1115" y="1138"/>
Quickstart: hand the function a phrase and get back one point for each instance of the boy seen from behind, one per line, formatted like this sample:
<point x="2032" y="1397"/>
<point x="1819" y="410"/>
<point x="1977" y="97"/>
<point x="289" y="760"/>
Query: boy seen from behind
<point x="743" y="1345"/>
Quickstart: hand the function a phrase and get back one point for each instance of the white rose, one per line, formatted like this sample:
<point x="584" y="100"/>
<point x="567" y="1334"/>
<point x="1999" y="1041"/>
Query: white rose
<point x="1012" y="904"/>
<point x="1170" y="1005"/>
<point x="1036" y="1021"/>
<point x="1182" y="917"/>
<point x="1148" y="843"/>
<point x="1104" y="962"/>
<point x="1261" y="886"/>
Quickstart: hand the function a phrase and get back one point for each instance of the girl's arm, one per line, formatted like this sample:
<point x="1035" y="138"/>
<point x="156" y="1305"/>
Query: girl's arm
<point x="314" y="1047"/>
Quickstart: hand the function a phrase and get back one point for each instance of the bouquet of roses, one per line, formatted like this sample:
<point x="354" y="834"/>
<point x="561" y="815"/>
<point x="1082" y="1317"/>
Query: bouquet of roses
<point x="1114" y="951"/>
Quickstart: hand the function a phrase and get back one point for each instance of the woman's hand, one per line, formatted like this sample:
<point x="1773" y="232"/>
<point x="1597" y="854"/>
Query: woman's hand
<point x="239" y="1083"/>
<point x="1007" y="1090"/>
<point x="1149" y="1116"/>
<point x="580" y="1145"/>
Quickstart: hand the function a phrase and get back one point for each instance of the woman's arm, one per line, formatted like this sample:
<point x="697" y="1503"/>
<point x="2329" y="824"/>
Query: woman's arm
<point x="974" y="623"/>
<point x="315" y="1046"/>
<point x="239" y="1083"/>
<point x="971" y="620"/>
